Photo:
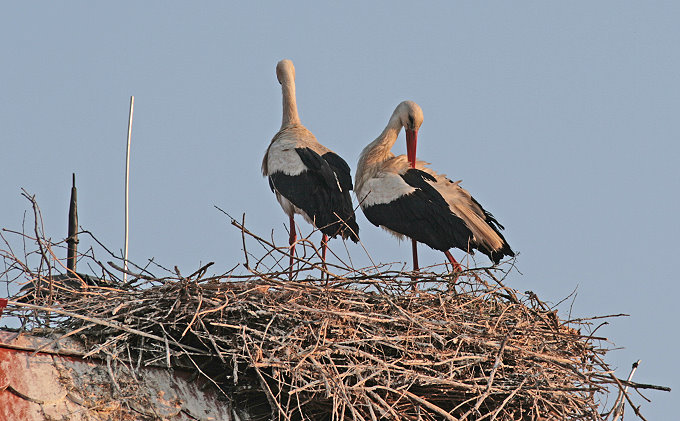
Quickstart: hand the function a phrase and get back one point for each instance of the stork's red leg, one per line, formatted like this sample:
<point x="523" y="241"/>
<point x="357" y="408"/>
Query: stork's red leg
<point x="324" y="246"/>
<point x="291" y="242"/>
<point x="416" y="268"/>
<point x="456" y="265"/>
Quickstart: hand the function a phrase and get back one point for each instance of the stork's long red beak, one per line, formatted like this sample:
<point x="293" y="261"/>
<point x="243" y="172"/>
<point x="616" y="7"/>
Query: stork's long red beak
<point x="411" y="144"/>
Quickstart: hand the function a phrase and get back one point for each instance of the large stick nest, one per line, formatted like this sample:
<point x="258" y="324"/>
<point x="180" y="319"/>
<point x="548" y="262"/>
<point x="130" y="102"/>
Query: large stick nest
<point x="357" y="344"/>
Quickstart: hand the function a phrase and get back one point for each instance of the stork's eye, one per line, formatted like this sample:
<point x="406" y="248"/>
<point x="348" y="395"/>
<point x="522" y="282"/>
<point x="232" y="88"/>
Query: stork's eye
<point x="411" y="124"/>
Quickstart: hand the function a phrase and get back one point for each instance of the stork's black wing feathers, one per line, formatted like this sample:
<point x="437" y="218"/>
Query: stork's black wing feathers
<point x="315" y="163"/>
<point x="341" y="170"/>
<point x="271" y="184"/>
<point x="489" y="217"/>
<point x="422" y="215"/>
<point x="496" y="255"/>
<point x="317" y="192"/>
<point x="425" y="216"/>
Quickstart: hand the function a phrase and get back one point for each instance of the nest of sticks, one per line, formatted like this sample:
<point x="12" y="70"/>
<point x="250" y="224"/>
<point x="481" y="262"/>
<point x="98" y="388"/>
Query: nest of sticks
<point x="358" y="344"/>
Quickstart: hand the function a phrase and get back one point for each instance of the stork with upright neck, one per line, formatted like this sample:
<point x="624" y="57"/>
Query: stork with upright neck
<point x="285" y="73"/>
<point x="408" y="199"/>
<point x="306" y="177"/>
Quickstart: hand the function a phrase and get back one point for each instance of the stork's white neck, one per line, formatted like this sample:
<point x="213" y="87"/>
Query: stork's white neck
<point x="376" y="153"/>
<point x="290" y="111"/>
<point x="380" y="149"/>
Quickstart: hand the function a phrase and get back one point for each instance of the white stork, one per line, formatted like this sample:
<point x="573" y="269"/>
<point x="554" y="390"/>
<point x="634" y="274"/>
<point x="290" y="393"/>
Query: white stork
<point x="308" y="178"/>
<point x="408" y="199"/>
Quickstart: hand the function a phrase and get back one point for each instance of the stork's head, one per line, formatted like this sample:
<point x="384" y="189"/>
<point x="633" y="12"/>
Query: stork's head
<point x="411" y="117"/>
<point x="285" y="71"/>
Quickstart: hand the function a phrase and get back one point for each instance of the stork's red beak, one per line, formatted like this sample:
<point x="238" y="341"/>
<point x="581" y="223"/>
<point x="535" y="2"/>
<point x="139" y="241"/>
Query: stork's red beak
<point x="411" y="143"/>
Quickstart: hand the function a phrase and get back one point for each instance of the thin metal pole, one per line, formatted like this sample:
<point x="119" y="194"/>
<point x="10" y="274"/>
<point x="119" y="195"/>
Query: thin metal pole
<point x="620" y="399"/>
<point x="127" y="188"/>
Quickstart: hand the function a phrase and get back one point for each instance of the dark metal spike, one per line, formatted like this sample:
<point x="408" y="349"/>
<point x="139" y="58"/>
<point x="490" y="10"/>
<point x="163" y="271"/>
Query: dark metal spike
<point x="72" y="239"/>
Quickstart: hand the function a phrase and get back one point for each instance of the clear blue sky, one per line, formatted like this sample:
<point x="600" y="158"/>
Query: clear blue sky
<point x="563" y="119"/>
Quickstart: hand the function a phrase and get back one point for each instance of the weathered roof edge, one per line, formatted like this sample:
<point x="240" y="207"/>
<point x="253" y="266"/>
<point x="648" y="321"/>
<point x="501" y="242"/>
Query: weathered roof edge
<point x="47" y="378"/>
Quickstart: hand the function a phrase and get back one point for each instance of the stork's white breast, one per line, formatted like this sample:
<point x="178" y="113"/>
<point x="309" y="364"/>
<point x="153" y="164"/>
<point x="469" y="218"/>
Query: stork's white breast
<point x="384" y="188"/>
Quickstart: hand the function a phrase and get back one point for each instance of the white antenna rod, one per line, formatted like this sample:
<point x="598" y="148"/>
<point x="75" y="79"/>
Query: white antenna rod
<point x="127" y="188"/>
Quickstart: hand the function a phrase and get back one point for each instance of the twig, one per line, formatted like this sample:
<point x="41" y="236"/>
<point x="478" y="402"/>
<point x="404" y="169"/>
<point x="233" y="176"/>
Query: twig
<point x="94" y="320"/>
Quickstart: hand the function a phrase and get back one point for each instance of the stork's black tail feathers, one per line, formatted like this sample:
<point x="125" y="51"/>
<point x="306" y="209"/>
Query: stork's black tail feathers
<point x="495" y="255"/>
<point x="346" y="225"/>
